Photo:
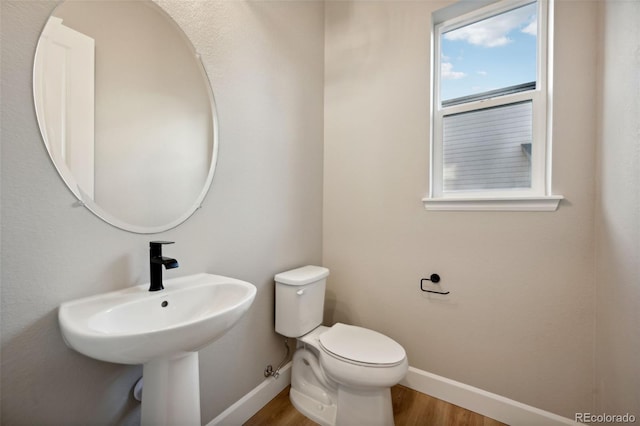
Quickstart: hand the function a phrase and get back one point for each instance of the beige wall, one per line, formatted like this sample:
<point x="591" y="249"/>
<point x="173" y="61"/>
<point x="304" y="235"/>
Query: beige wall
<point x="265" y="63"/>
<point x="519" y="320"/>
<point x="618" y="212"/>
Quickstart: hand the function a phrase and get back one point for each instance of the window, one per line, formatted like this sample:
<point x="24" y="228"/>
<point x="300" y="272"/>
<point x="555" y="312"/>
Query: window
<point x="490" y="117"/>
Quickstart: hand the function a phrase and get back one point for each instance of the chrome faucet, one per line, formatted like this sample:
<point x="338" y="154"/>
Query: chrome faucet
<point x="156" y="260"/>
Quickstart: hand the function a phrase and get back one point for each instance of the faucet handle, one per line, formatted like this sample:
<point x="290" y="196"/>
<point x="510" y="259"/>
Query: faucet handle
<point x="159" y="243"/>
<point x="155" y="247"/>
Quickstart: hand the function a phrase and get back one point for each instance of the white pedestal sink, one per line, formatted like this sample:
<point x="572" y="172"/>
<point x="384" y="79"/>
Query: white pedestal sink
<point x="162" y="330"/>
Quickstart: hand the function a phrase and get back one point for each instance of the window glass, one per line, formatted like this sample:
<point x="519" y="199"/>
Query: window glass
<point x="486" y="57"/>
<point x="488" y="148"/>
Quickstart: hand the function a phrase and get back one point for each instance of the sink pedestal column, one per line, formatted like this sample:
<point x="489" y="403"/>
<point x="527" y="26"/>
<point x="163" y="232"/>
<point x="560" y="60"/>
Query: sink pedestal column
<point x="171" y="393"/>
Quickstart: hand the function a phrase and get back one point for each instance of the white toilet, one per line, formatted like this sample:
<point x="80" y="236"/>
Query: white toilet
<point x="341" y="375"/>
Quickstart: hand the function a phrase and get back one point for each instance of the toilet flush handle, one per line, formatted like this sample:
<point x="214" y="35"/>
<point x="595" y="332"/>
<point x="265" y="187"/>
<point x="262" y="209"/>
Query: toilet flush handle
<point x="300" y="292"/>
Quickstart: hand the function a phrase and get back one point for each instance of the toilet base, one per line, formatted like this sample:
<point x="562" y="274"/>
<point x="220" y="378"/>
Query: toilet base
<point x="352" y="408"/>
<point x="320" y="413"/>
<point x="358" y="407"/>
<point x="311" y="393"/>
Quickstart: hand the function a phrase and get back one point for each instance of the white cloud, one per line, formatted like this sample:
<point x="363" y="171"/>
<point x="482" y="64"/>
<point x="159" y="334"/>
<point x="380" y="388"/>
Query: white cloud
<point x="482" y="73"/>
<point x="447" y="72"/>
<point x="532" y="28"/>
<point x="494" y="31"/>
<point x="480" y="36"/>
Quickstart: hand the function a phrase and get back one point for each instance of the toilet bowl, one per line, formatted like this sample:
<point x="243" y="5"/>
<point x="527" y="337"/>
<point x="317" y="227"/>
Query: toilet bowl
<point x="341" y="375"/>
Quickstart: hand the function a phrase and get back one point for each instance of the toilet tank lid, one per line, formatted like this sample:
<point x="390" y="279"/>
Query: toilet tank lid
<point x="302" y="276"/>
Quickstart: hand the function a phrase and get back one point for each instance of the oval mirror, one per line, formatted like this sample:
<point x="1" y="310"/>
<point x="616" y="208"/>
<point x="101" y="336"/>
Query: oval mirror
<point x="126" y="112"/>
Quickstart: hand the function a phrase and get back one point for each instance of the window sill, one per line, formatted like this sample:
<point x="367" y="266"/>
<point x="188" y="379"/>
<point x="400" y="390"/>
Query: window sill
<point x="513" y="204"/>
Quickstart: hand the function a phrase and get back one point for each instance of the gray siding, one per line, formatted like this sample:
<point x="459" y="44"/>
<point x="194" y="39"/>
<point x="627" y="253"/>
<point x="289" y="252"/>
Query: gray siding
<point x="487" y="149"/>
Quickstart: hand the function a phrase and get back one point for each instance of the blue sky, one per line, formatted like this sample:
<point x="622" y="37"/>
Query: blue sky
<point x="491" y="54"/>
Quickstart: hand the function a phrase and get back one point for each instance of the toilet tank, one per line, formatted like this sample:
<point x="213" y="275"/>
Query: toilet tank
<point x="300" y="300"/>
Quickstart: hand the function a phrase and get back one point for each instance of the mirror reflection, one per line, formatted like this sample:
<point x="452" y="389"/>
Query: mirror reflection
<point x="126" y="112"/>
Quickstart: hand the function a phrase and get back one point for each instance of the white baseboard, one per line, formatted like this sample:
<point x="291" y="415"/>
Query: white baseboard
<point x="482" y="402"/>
<point x="477" y="400"/>
<point x="252" y="402"/>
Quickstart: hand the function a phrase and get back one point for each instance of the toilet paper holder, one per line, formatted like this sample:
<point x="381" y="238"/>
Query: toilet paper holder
<point x="434" y="278"/>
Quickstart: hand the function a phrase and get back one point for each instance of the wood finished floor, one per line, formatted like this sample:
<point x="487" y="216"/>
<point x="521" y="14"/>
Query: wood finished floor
<point x="410" y="408"/>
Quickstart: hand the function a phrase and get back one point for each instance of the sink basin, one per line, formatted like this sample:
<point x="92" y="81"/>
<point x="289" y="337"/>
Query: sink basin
<point x="162" y="330"/>
<point x="134" y="325"/>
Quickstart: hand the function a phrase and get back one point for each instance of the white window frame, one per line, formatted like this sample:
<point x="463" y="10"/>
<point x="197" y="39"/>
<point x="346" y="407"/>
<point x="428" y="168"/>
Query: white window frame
<point x="536" y="198"/>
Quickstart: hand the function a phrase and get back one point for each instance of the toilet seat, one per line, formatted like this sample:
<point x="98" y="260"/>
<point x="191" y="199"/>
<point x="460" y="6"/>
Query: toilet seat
<point x="361" y="346"/>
